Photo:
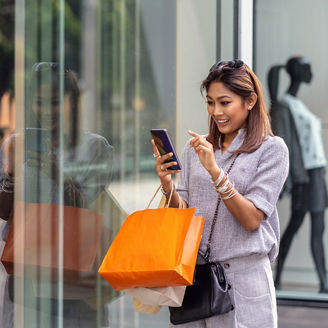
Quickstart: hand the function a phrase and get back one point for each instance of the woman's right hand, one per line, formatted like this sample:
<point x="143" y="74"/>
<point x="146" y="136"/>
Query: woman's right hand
<point x="164" y="174"/>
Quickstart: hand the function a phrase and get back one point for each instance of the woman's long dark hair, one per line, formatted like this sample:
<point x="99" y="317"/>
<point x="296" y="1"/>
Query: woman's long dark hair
<point x="240" y="79"/>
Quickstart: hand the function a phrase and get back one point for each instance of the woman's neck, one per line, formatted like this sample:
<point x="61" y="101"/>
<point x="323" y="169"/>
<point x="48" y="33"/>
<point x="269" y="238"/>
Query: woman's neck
<point x="227" y="140"/>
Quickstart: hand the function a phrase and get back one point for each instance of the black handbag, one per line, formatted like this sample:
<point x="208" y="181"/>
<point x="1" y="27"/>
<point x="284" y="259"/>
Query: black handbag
<point x="208" y="295"/>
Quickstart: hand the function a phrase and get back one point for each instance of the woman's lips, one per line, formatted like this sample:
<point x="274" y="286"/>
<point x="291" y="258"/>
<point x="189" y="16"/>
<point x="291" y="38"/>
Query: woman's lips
<point x="222" y="122"/>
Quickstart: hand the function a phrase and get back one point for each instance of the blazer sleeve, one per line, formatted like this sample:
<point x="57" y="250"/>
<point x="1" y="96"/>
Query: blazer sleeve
<point x="272" y="170"/>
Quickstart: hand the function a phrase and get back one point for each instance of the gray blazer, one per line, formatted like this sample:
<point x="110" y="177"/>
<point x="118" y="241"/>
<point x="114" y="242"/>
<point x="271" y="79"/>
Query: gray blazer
<point x="259" y="176"/>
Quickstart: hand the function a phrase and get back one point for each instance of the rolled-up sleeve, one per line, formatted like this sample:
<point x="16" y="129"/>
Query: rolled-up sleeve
<point x="272" y="170"/>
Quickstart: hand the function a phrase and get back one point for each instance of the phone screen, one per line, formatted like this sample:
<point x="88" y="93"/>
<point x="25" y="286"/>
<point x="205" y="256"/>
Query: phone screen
<point x="164" y="145"/>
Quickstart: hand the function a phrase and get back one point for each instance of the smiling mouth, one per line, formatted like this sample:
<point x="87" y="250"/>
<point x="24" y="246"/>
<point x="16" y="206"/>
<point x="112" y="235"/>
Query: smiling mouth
<point x="222" y="121"/>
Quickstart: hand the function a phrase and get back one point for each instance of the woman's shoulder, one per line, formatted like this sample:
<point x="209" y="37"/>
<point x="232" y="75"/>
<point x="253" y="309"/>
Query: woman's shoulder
<point x="274" y="142"/>
<point x="274" y="145"/>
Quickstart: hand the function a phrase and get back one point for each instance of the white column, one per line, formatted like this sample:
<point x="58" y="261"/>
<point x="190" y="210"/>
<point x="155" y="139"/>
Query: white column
<point x="245" y="33"/>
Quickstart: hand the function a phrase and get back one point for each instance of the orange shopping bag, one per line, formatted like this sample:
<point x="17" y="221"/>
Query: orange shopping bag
<point x="154" y="248"/>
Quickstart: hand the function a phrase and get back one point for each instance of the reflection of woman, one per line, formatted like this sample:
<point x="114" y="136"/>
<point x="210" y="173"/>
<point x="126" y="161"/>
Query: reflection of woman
<point x="246" y="234"/>
<point x="301" y="130"/>
<point x="86" y="156"/>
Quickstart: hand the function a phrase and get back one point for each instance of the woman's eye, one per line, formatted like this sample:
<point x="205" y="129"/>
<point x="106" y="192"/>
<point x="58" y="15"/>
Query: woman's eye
<point x="210" y="102"/>
<point x="225" y="103"/>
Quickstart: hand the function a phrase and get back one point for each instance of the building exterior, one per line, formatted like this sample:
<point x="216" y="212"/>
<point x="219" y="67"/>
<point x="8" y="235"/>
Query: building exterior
<point x="113" y="70"/>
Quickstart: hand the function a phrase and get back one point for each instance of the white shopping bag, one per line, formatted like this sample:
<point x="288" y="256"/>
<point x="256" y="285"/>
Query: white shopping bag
<point x="162" y="296"/>
<point x="144" y="308"/>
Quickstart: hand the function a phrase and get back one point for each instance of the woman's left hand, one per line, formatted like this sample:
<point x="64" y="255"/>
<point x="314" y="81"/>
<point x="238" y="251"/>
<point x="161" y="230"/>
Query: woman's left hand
<point x="204" y="150"/>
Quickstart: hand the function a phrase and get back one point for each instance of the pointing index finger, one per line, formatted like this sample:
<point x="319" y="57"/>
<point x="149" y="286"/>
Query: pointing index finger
<point x="194" y="134"/>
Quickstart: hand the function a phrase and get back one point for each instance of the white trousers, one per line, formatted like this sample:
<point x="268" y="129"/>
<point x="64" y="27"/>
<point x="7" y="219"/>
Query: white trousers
<point x="252" y="293"/>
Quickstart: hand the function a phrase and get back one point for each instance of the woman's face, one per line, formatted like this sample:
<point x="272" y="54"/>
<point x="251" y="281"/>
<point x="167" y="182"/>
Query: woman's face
<point x="227" y="109"/>
<point x="46" y="106"/>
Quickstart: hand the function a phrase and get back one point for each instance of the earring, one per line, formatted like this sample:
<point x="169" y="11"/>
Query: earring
<point x="249" y="107"/>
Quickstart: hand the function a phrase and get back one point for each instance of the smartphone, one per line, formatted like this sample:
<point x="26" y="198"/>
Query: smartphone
<point x="35" y="139"/>
<point x="164" y="145"/>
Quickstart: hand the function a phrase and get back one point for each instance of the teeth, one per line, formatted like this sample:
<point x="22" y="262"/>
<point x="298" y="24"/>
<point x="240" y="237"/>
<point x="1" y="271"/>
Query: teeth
<point x="222" y="121"/>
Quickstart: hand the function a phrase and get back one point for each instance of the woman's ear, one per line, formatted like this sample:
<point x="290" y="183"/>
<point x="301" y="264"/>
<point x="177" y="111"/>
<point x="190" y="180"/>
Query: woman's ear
<point x="251" y="101"/>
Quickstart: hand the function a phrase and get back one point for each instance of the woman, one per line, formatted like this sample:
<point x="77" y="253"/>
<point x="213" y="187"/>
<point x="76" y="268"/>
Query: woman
<point x="246" y="234"/>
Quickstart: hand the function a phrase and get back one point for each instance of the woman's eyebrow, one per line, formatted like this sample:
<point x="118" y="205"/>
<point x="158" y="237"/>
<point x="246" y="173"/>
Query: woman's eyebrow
<point x="224" y="96"/>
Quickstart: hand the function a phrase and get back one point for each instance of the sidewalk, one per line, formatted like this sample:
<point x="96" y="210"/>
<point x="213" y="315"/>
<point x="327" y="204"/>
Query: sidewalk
<point x="121" y="315"/>
<point x="301" y="317"/>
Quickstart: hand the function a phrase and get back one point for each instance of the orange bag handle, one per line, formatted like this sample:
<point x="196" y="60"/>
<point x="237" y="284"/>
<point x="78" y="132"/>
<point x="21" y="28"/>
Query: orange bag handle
<point x="166" y="205"/>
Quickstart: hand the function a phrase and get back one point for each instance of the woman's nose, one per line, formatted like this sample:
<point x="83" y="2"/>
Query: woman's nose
<point x="217" y="110"/>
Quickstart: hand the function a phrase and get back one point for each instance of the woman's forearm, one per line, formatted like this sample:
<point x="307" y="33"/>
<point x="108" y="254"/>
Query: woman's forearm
<point x="243" y="210"/>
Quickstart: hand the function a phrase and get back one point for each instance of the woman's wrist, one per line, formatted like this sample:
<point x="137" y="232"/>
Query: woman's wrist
<point x="167" y="192"/>
<point x="214" y="172"/>
<point x="166" y="188"/>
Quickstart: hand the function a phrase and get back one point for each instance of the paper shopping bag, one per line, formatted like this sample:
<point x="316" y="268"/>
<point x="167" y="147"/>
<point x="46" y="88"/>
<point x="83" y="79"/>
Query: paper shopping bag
<point x="144" y="308"/>
<point x="163" y="296"/>
<point x="154" y="248"/>
<point x="34" y="240"/>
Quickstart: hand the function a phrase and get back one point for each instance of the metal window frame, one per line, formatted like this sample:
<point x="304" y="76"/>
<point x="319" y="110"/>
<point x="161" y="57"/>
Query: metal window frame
<point x="244" y="30"/>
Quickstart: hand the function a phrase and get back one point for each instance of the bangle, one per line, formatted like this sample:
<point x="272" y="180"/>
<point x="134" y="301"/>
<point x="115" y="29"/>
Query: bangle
<point x="166" y="193"/>
<point x="231" y="194"/>
<point x="219" y="179"/>
<point x="224" y="188"/>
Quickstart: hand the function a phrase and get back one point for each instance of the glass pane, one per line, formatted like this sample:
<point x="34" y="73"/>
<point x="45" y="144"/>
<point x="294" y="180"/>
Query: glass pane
<point x="293" y="63"/>
<point x="88" y="80"/>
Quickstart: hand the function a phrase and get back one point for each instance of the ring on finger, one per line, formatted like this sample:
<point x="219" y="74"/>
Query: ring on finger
<point x="156" y="155"/>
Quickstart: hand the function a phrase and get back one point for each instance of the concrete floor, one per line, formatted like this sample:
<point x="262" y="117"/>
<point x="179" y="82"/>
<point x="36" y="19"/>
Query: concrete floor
<point x="122" y="315"/>
<point x="301" y="317"/>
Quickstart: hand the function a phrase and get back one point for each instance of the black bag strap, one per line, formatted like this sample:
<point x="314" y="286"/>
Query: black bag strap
<point x="208" y="249"/>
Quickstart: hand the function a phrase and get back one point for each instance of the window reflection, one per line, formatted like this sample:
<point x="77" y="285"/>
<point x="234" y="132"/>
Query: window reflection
<point x="51" y="192"/>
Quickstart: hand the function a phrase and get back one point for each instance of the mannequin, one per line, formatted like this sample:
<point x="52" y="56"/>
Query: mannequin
<point x="306" y="182"/>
